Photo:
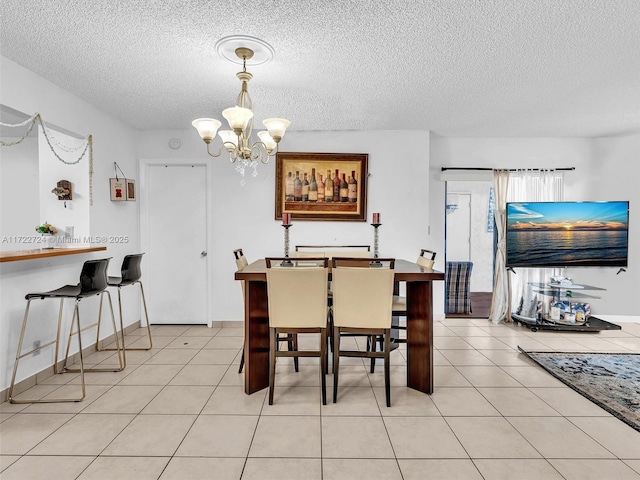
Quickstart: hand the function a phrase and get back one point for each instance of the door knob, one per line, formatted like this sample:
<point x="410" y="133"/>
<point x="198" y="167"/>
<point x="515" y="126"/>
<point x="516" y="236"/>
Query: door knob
<point x="203" y="253"/>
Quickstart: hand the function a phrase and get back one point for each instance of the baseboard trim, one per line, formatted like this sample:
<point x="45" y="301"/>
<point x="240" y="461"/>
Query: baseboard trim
<point x="39" y="377"/>
<point x="619" y="318"/>
<point x="227" y="324"/>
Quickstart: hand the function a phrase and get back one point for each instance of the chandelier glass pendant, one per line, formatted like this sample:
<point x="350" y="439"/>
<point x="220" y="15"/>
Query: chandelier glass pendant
<point x="242" y="150"/>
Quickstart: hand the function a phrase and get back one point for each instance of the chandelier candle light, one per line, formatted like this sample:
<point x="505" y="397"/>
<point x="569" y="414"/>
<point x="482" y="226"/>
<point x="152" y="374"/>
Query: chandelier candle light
<point x="238" y="141"/>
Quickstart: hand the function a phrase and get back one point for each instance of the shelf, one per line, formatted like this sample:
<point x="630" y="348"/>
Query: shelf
<point x="593" y="324"/>
<point x="564" y="287"/>
<point x="18" y="255"/>
<point x="559" y="295"/>
<point x="563" y="322"/>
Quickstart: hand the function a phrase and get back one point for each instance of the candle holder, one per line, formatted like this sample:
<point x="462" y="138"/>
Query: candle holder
<point x="376" y="251"/>
<point x="287" y="262"/>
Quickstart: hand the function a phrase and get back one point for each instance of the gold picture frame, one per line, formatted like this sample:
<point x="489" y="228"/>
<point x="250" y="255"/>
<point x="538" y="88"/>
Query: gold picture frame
<point x="351" y="168"/>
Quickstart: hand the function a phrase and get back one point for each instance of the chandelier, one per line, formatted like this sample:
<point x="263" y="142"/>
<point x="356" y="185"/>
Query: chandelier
<point x="241" y="148"/>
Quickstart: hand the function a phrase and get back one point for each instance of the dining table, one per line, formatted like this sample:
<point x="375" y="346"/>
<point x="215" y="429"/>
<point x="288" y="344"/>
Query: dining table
<point x="419" y="295"/>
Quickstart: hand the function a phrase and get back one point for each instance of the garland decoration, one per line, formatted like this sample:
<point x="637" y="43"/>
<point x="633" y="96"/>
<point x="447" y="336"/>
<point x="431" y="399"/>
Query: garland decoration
<point x="54" y="144"/>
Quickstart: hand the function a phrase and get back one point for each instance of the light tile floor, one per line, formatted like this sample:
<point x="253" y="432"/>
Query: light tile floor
<point x="179" y="412"/>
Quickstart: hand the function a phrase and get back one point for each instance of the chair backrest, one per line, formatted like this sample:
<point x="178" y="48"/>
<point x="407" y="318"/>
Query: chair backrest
<point x="241" y="262"/>
<point x="458" y="274"/>
<point x="457" y="282"/>
<point x="349" y="253"/>
<point x="297" y="293"/>
<point x="131" y="270"/>
<point x="330" y="251"/>
<point x="309" y="254"/>
<point x="93" y="277"/>
<point x="425" y="262"/>
<point x="362" y="292"/>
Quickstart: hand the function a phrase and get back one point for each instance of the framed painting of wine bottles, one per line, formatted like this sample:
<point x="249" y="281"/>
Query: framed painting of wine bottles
<point x="322" y="186"/>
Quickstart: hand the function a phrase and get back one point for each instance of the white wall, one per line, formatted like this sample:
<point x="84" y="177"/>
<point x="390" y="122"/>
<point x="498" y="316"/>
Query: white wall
<point x="26" y="92"/>
<point x="71" y="213"/>
<point x="606" y="169"/>
<point x="244" y="216"/>
<point x="613" y="174"/>
<point x="19" y="180"/>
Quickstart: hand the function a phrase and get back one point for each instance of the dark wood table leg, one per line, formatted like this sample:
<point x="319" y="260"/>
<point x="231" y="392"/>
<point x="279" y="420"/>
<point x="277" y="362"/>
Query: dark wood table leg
<point x="420" y="336"/>
<point x="256" y="338"/>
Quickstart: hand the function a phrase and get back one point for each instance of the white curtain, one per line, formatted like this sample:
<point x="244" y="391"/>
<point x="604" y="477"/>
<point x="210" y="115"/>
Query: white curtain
<point x="500" y="300"/>
<point x="532" y="186"/>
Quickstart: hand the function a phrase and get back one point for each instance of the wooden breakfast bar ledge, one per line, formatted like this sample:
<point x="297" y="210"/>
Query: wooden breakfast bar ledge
<point x="16" y="255"/>
<point x="419" y="283"/>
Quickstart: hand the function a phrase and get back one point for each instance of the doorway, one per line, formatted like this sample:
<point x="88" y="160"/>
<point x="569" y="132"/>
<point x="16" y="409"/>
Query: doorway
<point x="458" y="228"/>
<point x="174" y="222"/>
<point x="469" y="236"/>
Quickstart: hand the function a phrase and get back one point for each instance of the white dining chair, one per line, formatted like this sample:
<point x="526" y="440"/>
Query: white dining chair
<point x="362" y="301"/>
<point x="297" y="300"/>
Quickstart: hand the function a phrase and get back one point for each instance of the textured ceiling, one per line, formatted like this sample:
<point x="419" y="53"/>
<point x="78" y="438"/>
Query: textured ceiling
<point x="457" y="67"/>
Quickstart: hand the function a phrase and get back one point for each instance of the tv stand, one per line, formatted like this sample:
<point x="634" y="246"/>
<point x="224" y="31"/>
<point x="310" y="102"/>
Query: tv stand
<point x="564" y="293"/>
<point x="593" y="324"/>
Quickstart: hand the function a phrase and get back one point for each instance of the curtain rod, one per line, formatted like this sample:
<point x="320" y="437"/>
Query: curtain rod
<point x="510" y="169"/>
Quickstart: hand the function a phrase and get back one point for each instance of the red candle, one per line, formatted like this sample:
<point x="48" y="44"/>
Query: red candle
<point x="286" y="219"/>
<point x="376" y="218"/>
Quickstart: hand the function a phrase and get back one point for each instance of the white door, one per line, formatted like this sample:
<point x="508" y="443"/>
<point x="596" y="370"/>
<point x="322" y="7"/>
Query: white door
<point x="459" y="227"/>
<point x="176" y="221"/>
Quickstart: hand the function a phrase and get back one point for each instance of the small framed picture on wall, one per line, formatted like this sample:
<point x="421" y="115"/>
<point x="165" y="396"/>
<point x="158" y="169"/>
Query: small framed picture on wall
<point x="131" y="190"/>
<point x="118" y="187"/>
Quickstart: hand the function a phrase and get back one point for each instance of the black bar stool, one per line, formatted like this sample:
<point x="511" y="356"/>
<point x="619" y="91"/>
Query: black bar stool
<point x="93" y="281"/>
<point x="130" y="274"/>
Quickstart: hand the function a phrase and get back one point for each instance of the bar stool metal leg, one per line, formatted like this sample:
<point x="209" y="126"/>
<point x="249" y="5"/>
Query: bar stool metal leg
<point x="56" y="363"/>
<point x="122" y="361"/>
<point x="146" y="316"/>
<point x="20" y="355"/>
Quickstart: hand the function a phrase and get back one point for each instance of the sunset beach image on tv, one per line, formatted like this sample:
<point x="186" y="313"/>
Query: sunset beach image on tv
<point x="563" y="234"/>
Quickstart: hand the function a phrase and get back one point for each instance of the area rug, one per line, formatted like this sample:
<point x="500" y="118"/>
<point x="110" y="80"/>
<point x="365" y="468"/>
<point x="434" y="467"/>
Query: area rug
<point x="610" y="380"/>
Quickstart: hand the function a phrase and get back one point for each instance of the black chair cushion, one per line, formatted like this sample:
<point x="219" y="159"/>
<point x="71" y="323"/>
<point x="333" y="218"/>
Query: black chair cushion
<point x="93" y="280"/>
<point x="66" y="291"/>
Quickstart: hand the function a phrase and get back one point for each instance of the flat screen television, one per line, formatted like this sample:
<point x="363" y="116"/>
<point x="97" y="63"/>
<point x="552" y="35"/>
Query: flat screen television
<point x="567" y="234"/>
